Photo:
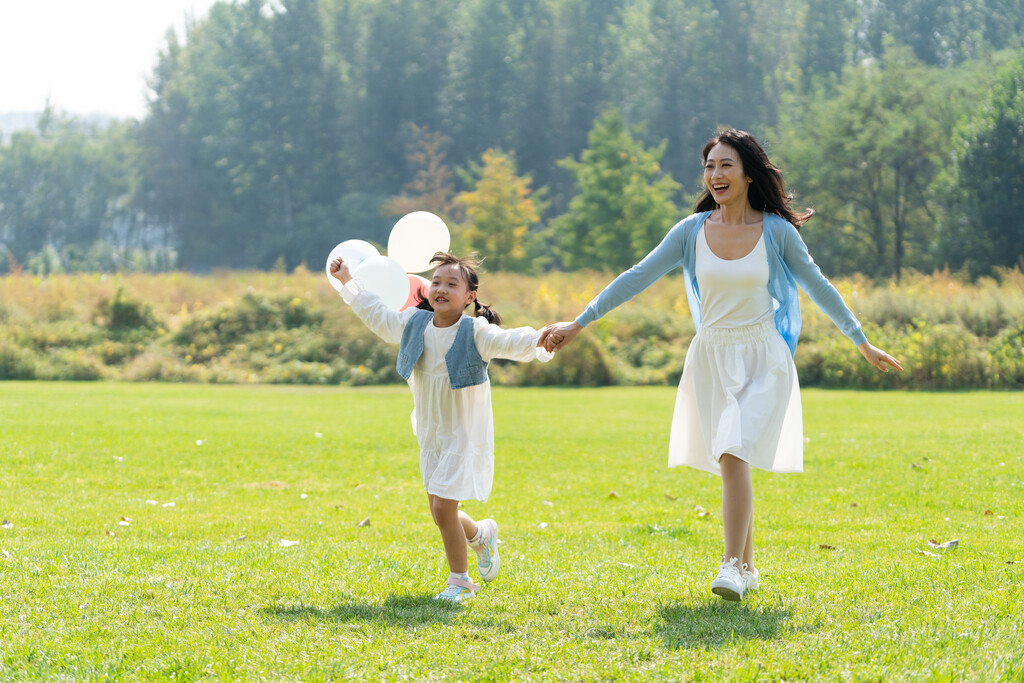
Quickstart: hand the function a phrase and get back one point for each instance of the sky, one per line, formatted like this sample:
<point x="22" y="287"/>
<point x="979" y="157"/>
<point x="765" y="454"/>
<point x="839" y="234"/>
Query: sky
<point x="86" y="56"/>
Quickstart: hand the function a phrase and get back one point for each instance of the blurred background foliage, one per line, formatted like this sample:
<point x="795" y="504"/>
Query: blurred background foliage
<point x="258" y="327"/>
<point x="549" y="134"/>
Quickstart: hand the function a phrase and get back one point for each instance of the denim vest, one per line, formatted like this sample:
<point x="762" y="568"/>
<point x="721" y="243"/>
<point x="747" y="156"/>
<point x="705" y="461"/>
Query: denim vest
<point x="465" y="366"/>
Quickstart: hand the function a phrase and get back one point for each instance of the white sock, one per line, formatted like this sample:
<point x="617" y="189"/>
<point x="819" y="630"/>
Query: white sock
<point x="458" y="575"/>
<point x="478" y="539"/>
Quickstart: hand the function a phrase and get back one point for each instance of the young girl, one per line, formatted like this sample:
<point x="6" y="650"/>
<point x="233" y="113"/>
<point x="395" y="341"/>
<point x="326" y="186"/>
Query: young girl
<point x="443" y="355"/>
<point x="738" y="404"/>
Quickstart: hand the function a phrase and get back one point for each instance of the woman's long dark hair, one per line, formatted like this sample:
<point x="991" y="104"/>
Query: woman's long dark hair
<point x="468" y="266"/>
<point x="767" y="189"/>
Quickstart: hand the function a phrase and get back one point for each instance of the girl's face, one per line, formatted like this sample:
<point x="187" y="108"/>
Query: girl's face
<point x="723" y="175"/>
<point x="449" y="292"/>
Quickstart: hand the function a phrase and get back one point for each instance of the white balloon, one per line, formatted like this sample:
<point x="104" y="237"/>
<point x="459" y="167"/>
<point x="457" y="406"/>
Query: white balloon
<point x="415" y="238"/>
<point x="353" y="252"/>
<point x="386" y="278"/>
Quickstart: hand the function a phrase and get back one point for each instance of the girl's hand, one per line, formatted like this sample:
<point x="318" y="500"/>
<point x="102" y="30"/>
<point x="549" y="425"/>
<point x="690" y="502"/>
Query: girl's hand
<point x="558" y="335"/>
<point x="339" y="271"/>
<point x="878" y="357"/>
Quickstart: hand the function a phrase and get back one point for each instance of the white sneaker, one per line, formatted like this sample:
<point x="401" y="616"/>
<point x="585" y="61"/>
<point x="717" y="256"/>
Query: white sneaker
<point x="457" y="590"/>
<point x="487" y="560"/>
<point x="749" y="579"/>
<point x="729" y="583"/>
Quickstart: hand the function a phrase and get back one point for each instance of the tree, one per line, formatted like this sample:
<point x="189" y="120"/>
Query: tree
<point x="865" y="160"/>
<point x="65" y="187"/>
<point x="624" y="206"/>
<point x="431" y="189"/>
<point x="988" y="229"/>
<point x="500" y="211"/>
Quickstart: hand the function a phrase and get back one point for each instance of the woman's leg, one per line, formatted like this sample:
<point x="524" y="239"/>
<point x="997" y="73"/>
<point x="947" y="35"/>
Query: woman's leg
<point x="737" y="509"/>
<point x="456" y="528"/>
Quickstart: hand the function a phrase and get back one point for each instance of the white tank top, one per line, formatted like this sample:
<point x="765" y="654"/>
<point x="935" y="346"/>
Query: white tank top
<point x="733" y="293"/>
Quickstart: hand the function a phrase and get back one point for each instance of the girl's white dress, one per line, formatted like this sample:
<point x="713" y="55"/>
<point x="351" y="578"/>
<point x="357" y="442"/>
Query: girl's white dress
<point x="739" y="392"/>
<point x="454" y="427"/>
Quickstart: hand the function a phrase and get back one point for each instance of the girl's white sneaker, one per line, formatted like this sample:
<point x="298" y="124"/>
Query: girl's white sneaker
<point x="729" y="583"/>
<point x="488" y="562"/>
<point x="457" y="590"/>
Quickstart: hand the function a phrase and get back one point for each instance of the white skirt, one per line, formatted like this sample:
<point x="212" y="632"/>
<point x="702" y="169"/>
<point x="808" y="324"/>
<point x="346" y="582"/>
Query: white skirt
<point x="739" y="394"/>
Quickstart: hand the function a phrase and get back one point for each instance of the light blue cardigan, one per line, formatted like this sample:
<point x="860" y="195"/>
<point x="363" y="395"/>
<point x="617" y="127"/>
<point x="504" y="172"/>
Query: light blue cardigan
<point x="789" y="264"/>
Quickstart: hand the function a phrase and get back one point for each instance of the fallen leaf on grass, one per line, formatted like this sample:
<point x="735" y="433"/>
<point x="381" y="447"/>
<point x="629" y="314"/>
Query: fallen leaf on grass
<point x="826" y="546"/>
<point x="670" y="497"/>
<point x="627" y="565"/>
<point x="5" y="555"/>
<point x="613" y="494"/>
<point x="84" y="605"/>
<point x="118" y="458"/>
<point x="240" y="538"/>
<point x="110" y="533"/>
<point x="853" y="505"/>
<point x="200" y="442"/>
<point x="168" y="505"/>
<point x="701" y="512"/>
<point x="988" y="512"/>
<point x="542" y="525"/>
<point x="365" y="522"/>
<point x="927" y="554"/>
<point x="1014" y="561"/>
<point x="548" y="503"/>
<point x="152" y="502"/>
<point x="318" y="435"/>
<point x="7" y="524"/>
<point x="284" y="543"/>
<point x="944" y="546"/>
<point x="303" y="496"/>
<point x="124" y="521"/>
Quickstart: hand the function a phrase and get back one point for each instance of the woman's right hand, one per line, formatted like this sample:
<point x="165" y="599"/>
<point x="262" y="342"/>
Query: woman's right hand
<point x="558" y="335"/>
<point x="339" y="271"/>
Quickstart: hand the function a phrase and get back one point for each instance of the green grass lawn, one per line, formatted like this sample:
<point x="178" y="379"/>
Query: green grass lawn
<point x="148" y="523"/>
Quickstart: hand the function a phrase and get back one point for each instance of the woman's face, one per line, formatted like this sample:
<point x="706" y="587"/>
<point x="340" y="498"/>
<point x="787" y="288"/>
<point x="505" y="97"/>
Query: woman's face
<point x="723" y="175"/>
<point x="449" y="292"/>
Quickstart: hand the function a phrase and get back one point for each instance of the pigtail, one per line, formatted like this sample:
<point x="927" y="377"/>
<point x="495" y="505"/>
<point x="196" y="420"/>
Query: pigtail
<point x="488" y="313"/>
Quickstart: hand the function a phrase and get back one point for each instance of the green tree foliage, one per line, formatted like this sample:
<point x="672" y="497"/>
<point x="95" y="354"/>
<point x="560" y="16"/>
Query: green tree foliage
<point x="866" y="160"/>
<point x="987" y="228"/>
<point x="242" y="138"/>
<point x="625" y="202"/>
<point x="500" y="209"/>
<point x="65" y="187"/>
<point x="432" y="188"/>
<point x="277" y="128"/>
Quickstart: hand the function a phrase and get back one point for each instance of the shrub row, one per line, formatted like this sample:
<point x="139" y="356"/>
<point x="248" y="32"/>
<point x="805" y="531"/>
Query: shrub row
<point x="278" y="328"/>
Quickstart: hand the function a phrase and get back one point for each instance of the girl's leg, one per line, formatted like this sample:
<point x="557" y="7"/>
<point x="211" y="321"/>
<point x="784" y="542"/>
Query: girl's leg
<point x="737" y="509"/>
<point x="456" y="528"/>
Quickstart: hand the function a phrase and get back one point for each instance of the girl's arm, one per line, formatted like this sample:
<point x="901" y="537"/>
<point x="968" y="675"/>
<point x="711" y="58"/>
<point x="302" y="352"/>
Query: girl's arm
<point x="519" y="344"/>
<point x="382" y="321"/>
<point x="386" y="323"/>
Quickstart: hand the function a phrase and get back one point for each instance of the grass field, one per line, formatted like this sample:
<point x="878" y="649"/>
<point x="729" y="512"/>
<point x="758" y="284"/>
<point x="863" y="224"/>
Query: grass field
<point x="147" y="525"/>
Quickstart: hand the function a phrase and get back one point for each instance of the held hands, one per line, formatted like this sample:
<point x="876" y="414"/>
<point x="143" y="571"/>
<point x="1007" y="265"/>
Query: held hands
<point x="878" y="357"/>
<point x="556" y="336"/>
<point x="339" y="271"/>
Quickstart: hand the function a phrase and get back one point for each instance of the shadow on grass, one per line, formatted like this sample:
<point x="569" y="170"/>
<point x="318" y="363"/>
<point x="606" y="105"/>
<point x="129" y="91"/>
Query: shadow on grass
<point x="716" y="622"/>
<point x="396" y="610"/>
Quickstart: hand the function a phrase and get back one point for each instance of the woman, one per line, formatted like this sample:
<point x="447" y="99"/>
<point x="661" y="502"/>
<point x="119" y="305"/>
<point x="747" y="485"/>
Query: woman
<point x="738" y="404"/>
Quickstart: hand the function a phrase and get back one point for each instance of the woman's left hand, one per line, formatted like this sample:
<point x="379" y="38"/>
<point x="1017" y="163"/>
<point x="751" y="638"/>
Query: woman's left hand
<point x="877" y="357"/>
